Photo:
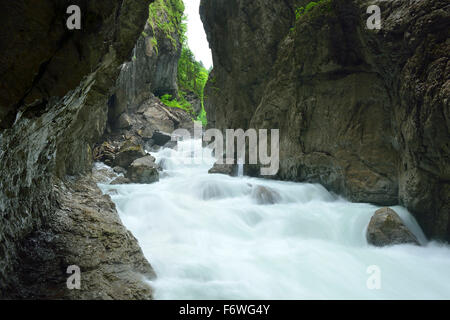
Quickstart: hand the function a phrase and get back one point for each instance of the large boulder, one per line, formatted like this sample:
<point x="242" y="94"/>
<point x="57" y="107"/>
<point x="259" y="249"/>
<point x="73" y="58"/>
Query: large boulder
<point x="143" y="170"/>
<point x="387" y="228"/>
<point x="128" y="154"/>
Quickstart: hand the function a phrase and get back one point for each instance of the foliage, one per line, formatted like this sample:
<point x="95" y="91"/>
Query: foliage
<point x="176" y="103"/>
<point x="167" y="15"/>
<point x="301" y="11"/>
<point x="192" y="77"/>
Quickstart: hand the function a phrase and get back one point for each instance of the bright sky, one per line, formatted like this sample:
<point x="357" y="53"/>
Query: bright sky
<point x="196" y="34"/>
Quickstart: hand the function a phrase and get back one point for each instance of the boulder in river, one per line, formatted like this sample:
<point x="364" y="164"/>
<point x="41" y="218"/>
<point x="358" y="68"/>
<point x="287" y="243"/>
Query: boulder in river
<point x="161" y="138"/>
<point x="228" y="169"/>
<point x="127" y="154"/>
<point x="265" y="195"/>
<point x="387" y="228"/>
<point x="143" y="170"/>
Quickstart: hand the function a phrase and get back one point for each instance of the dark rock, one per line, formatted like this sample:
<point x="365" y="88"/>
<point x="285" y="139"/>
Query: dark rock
<point x="161" y="138"/>
<point x="228" y="169"/>
<point x="60" y="79"/>
<point x="85" y="231"/>
<point x="128" y="154"/>
<point x="143" y="170"/>
<point x="171" y="145"/>
<point x="386" y="228"/>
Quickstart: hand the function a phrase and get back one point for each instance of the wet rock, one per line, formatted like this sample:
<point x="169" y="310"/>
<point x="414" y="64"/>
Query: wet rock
<point x="128" y="154"/>
<point x="143" y="170"/>
<point x="103" y="175"/>
<point x="265" y="195"/>
<point x="161" y="138"/>
<point x="120" y="180"/>
<point x="119" y="170"/>
<point x="387" y="228"/>
<point x="228" y="169"/>
<point x="171" y="145"/>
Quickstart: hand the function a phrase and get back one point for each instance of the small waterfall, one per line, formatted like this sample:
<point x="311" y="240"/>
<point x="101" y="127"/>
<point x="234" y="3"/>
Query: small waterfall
<point x="240" y="169"/>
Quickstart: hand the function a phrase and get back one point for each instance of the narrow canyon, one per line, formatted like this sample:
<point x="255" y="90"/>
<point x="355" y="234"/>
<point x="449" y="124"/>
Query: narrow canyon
<point x="95" y="176"/>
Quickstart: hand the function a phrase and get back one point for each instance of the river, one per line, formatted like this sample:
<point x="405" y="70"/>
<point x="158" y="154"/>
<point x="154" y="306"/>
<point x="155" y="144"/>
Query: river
<point x="217" y="237"/>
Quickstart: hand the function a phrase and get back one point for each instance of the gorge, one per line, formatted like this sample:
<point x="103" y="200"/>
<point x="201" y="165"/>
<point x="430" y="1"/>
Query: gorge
<point x="90" y="176"/>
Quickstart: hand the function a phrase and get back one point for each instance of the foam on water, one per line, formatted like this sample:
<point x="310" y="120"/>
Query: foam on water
<point x="217" y="237"/>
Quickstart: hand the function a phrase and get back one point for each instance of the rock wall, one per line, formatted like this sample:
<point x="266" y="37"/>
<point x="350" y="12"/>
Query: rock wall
<point x="154" y="65"/>
<point x="364" y="112"/>
<point x="54" y="90"/>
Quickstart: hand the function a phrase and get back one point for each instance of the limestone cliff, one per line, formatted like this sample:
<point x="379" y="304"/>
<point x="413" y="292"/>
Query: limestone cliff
<point x="364" y="112"/>
<point x="54" y="89"/>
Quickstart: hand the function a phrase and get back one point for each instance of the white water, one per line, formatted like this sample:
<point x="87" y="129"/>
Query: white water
<point x="207" y="237"/>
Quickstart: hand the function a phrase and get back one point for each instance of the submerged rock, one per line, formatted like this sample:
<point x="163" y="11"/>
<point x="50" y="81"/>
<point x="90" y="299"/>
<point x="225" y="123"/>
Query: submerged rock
<point x="171" y="145"/>
<point x="387" y="228"/>
<point x="265" y="195"/>
<point x="143" y="170"/>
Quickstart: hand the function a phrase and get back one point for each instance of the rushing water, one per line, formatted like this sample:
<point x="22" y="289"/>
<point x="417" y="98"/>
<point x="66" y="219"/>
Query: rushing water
<point x="217" y="237"/>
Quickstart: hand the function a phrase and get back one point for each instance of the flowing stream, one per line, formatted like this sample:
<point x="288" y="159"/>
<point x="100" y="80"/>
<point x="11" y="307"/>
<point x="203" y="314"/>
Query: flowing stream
<point x="218" y="237"/>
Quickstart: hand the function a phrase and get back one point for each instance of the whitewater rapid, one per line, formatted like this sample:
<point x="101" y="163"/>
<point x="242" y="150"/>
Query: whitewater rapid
<point x="208" y="237"/>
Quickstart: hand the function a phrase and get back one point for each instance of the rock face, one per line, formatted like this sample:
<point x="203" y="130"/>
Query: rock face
<point x="386" y="228"/>
<point x="85" y="231"/>
<point x="154" y="66"/>
<point x="53" y="106"/>
<point x="143" y="170"/>
<point x="363" y="112"/>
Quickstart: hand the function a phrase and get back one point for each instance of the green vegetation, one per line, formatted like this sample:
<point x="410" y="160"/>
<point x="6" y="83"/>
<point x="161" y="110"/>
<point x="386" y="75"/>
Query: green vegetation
<point x="192" y="77"/>
<point x="176" y="103"/>
<point x="167" y="15"/>
<point x="312" y="9"/>
<point x="302" y="11"/>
